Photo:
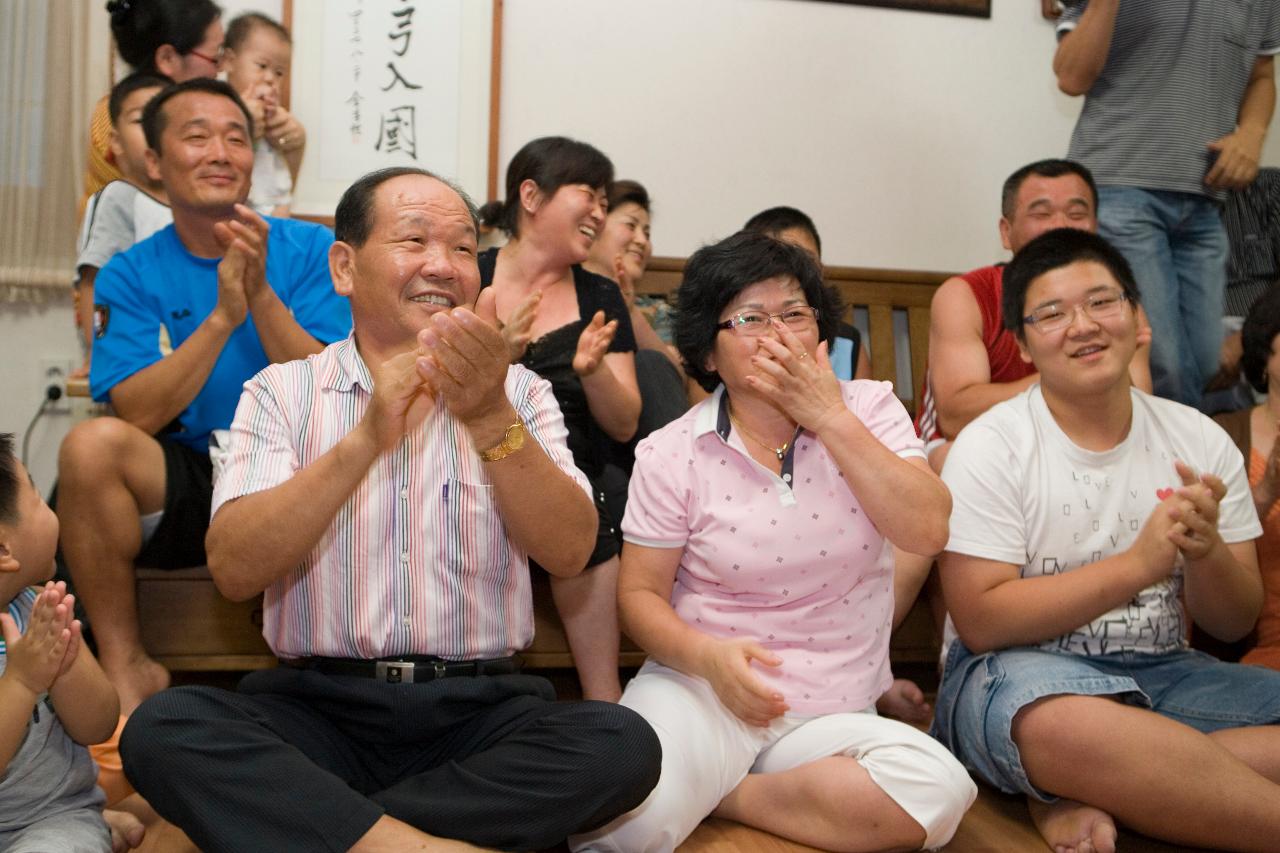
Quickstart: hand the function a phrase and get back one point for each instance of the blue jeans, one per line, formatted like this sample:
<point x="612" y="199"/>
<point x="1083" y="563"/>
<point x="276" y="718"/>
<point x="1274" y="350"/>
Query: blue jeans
<point x="981" y="694"/>
<point x="1177" y="246"/>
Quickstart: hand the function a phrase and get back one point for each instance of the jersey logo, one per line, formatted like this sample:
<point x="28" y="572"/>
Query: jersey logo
<point x="101" y="316"/>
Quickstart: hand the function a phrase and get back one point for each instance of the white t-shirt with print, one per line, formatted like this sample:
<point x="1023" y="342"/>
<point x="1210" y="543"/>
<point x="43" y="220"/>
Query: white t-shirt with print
<point x="1024" y="493"/>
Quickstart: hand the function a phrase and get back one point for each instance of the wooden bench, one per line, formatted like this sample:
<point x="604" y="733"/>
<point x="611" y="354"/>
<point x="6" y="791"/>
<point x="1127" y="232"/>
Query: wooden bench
<point x="188" y="626"/>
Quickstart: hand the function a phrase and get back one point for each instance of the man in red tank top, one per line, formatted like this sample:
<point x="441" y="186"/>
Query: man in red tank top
<point x="974" y="362"/>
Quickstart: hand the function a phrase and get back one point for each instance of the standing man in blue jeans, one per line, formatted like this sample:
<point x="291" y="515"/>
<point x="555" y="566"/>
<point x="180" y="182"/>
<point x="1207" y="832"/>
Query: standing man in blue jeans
<point x="1179" y="95"/>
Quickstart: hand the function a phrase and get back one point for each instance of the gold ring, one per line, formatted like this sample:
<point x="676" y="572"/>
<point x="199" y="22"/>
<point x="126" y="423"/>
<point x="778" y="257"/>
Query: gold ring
<point x="803" y="355"/>
<point x="284" y="140"/>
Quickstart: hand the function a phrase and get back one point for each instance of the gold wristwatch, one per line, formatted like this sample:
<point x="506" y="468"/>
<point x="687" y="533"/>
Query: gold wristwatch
<point x="512" y="441"/>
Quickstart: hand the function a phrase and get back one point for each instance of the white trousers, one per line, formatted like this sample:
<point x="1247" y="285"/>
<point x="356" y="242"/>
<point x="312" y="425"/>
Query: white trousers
<point x="707" y="752"/>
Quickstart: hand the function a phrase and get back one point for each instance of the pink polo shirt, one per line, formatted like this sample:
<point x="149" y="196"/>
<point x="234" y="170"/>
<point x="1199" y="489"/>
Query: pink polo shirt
<point x="790" y="561"/>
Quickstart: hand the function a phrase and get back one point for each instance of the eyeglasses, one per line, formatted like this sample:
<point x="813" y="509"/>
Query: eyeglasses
<point x="753" y="323"/>
<point x="215" y="59"/>
<point x="1055" y="317"/>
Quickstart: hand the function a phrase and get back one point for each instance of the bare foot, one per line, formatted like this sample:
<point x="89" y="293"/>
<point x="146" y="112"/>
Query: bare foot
<point x="139" y="808"/>
<point x="1072" y="827"/>
<point x="135" y="678"/>
<point x="126" y="830"/>
<point x="904" y="701"/>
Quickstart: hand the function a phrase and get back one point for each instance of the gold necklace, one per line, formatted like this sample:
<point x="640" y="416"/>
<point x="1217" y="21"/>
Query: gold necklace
<point x="780" y="451"/>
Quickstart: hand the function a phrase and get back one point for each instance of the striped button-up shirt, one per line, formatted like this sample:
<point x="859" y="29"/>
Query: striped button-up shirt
<point x="417" y="561"/>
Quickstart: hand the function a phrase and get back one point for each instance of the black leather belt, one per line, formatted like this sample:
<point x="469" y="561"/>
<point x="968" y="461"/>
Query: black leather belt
<point x="409" y="669"/>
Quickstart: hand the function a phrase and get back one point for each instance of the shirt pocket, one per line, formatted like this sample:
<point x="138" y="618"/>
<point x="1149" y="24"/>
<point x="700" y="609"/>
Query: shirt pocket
<point x="1235" y="53"/>
<point x="1234" y="20"/>
<point x="475" y="539"/>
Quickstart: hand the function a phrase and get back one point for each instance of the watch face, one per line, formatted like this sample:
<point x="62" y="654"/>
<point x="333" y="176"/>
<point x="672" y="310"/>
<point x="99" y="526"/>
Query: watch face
<point x="514" y="439"/>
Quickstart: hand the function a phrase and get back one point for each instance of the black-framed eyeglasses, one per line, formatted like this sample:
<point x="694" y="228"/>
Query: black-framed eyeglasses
<point x="1055" y="316"/>
<point x="752" y="323"/>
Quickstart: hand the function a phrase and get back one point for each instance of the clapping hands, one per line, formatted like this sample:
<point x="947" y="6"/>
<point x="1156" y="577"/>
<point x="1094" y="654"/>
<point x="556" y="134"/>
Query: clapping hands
<point x="518" y="330"/>
<point x="50" y="644"/>
<point x="1185" y="521"/>
<point x="242" y="272"/>
<point x="593" y="343"/>
<point x="1196" y="512"/>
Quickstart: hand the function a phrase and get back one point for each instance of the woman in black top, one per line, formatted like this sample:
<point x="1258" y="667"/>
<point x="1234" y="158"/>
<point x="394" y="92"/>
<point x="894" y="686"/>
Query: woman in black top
<point x="572" y="328"/>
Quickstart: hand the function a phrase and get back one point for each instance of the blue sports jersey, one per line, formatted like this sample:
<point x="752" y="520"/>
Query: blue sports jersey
<point x="150" y="298"/>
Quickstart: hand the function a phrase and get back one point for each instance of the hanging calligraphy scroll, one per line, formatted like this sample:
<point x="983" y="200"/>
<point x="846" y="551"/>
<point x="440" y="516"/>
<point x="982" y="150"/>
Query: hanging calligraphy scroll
<point x="390" y="83"/>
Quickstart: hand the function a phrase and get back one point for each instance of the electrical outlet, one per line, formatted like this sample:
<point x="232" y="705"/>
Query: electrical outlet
<point x="53" y="370"/>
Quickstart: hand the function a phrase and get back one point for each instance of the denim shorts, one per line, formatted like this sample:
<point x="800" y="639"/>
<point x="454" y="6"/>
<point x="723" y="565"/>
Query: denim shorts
<point x="981" y="694"/>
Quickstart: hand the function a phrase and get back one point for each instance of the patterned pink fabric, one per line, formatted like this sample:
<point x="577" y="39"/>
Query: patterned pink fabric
<point x="790" y="561"/>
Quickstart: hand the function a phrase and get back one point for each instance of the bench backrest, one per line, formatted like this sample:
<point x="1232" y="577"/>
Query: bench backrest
<point x="881" y="293"/>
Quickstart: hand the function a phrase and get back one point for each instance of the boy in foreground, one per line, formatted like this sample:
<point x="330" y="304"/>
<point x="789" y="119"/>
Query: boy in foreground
<point x="54" y="699"/>
<point x="1090" y="521"/>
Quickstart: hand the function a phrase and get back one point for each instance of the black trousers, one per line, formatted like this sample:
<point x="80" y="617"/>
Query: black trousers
<point x="297" y="760"/>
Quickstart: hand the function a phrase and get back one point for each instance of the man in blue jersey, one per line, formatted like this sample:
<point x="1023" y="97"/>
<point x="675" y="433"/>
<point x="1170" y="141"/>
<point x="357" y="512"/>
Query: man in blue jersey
<point x="1179" y="96"/>
<point x="182" y="320"/>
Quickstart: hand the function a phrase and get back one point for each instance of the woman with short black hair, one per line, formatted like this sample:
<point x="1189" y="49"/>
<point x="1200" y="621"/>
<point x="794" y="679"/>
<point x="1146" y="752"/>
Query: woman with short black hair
<point x="757" y="572"/>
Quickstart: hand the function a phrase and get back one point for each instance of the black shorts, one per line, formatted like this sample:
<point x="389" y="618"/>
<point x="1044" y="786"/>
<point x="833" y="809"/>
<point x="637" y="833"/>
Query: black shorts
<point x="608" y="534"/>
<point x="178" y="542"/>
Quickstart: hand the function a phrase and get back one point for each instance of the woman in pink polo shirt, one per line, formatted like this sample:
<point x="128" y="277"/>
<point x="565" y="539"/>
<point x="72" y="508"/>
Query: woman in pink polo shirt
<point x="757" y="573"/>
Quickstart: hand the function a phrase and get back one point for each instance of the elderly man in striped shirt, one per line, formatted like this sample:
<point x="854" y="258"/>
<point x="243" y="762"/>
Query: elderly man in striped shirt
<point x="386" y="495"/>
<point x="1179" y="96"/>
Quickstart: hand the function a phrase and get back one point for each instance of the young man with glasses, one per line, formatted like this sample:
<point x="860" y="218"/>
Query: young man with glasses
<point x="973" y="359"/>
<point x="1090" y="522"/>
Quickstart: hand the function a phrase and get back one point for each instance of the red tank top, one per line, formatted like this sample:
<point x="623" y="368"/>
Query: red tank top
<point x="1005" y="361"/>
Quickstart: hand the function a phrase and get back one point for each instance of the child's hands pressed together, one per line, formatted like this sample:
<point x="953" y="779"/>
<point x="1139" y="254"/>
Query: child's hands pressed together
<point x="51" y="642"/>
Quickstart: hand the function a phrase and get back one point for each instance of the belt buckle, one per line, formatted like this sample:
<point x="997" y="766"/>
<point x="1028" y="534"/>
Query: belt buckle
<point x="394" y="671"/>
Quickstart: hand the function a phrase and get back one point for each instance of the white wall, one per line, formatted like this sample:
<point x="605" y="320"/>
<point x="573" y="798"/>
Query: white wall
<point x="28" y="334"/>
<point x="893" y="129"/>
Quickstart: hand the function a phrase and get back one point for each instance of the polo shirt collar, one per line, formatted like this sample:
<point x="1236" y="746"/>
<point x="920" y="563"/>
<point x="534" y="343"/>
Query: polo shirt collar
<point x="345" y="368"/>
<point x="714" y="417"/>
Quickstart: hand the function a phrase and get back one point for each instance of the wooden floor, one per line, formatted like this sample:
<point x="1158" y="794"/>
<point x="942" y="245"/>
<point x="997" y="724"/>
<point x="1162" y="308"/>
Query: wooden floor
<point x="995" y="824"/>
